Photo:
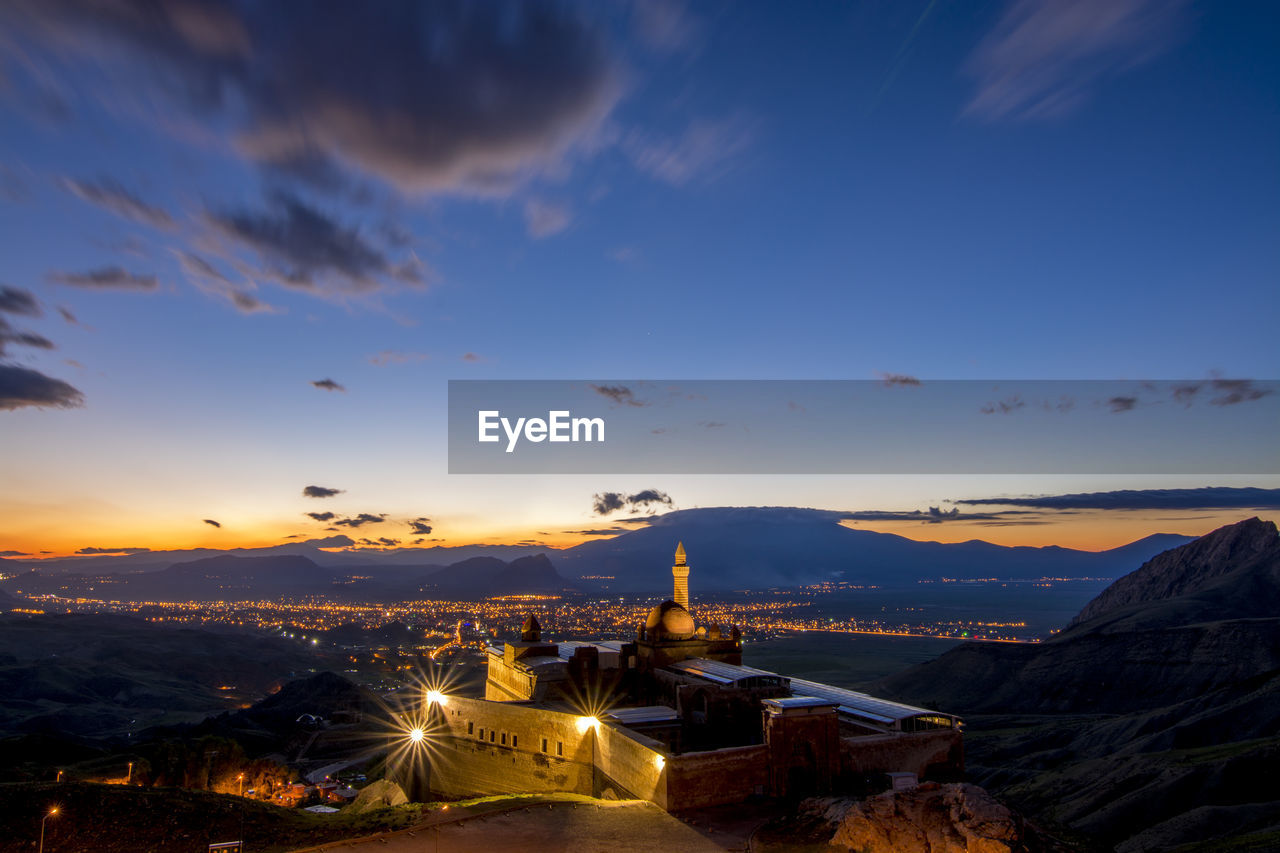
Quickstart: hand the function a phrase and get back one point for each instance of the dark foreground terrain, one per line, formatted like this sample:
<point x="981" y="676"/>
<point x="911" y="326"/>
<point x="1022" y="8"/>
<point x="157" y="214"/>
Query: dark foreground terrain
<point x="1153" y="721"/>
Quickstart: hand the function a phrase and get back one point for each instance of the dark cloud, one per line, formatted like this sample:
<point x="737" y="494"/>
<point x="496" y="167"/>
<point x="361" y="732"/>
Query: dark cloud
<point x="362" y="519"/>
<point x="619" y="394"/>
<point x="599" y="531"/>
<point x="892" y="379"/>
<point x="10" y="335"/>
<point x="16" y="300"/>
<point x="1211" y="497"/>
<point x="420" y="527"/>
<point x="302" y="247"/>
<point x="68" y="316"/>
<point x="327" y="385"/>
<point x="106" y="277"/>
<point x="428" y="97"/>
<point x="15" y="554"/>
<point x="1042" y="60"/>
<point x="96" y="550"/>
<point x="1233" y="391"/>
<point x="604" y="503"/>
<point x="110" y="195"/>
<point x="319" y="492"/>
<point x="322" y="516"/>
<point x="1122" y="404"/>
<point x="390" y="543"/>
<point x="212" y="523"/>
<point x="21" y="387"/>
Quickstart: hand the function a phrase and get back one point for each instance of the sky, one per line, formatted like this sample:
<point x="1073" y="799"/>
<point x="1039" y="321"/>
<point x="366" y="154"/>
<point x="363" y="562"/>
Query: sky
<point x="243" y="249"/>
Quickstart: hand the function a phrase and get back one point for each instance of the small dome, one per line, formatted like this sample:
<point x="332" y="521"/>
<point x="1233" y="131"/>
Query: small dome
<point x="669" y="620"/>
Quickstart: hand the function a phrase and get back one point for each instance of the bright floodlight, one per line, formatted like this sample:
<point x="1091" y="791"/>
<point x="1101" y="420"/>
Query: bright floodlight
<point x="435" y="697"/>
<point x="53" y="810"/>
<point x="585" y="723"/>
<point x="417" y="734"/>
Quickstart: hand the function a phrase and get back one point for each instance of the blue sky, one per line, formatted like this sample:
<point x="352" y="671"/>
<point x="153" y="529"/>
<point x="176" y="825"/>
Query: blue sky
<point x="233" y="204"/>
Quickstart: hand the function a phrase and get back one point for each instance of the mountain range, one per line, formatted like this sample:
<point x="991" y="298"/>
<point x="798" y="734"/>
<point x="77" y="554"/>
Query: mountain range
<point x="729" y="548"/>
<point x="1153" y="719"/>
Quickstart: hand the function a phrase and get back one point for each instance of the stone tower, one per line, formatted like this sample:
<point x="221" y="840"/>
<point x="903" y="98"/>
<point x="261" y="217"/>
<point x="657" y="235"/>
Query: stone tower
<point x="680" y="574"/>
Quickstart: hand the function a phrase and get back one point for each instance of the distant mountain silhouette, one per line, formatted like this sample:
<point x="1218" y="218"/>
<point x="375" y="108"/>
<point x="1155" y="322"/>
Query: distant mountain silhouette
<point x="739" y="547"/>
<point x="1183" y="658"/>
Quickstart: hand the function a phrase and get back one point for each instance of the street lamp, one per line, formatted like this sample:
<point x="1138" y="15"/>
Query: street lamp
<point x="240" y="779"/>
<point x="129" y="779"/>
<point x="53" y="811"/>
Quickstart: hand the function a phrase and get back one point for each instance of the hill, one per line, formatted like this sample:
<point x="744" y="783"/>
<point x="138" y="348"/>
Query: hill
<point x="1146" y="723"/>
<point x="104" y="675"/>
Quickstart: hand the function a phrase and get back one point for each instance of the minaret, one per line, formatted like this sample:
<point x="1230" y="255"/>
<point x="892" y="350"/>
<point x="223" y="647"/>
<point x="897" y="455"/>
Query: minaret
<point x="680" y="573"/>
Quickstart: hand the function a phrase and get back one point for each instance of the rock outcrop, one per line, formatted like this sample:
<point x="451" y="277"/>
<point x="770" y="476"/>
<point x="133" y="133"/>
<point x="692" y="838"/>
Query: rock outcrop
<point x="933" y="818"/>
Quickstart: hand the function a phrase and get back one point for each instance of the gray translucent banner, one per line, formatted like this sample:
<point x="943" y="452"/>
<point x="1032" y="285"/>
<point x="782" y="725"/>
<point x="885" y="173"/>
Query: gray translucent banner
<point x="894" y="426"/>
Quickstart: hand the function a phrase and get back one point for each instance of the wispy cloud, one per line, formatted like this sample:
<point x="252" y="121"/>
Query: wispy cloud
<point x="704" y="151"/>
<point x="542" y="219"/>
<point x="619" y="394"/>
<point x="1212" y="497"/>
<point x="106" y="277"/>
<point x="110" y="195"/>
<point x="1045" y="57"/>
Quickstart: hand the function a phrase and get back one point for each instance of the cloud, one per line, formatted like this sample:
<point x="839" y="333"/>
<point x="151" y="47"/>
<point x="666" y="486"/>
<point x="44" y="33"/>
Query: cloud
<point x="212" y="523"/>
<point x="68" y="316"/>
<point x="619" y="394"/>
<point x="663" y="25"/>
<point x="21" y="387"/>
<point x="322" y="516"/>
<point x="420" y="527"/>
<point x="1003" y="407"/>
<point x="934" y="515"/>
<point x="1210" y="497"/>
<point x="471" y="358"/>
<point x="427" y="97"/>
<point x="208" y="278"/>
<point x="703" y="152"/>
<point x="395" y="356"/>
<point x="1043" y="58"/>
<point x="361" y="520"/>
<point x="390" y="543"/>
<point x="16" y="300"/>
<point x="1122" y="404"/>
<point x="1233" y="391"/>
<point x="10" y="335"/>
<point x="543" y="219"/>
<point x="327" y="385"/>
<point x="898" y="379"/>
<point x="96" y="550"/>
<point x="15" y="554"/>
<point x="106" y="277"/>
<point x="605" y="503"/>
<point x="320" y="491"/>
<point x="110" y="195"/>
<point x="599" y="531"/>
<point x="301" y="247"/>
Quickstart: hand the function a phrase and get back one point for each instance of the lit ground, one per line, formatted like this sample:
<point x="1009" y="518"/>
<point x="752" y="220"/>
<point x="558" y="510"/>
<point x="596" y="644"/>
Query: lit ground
<point x="577" y="825"/>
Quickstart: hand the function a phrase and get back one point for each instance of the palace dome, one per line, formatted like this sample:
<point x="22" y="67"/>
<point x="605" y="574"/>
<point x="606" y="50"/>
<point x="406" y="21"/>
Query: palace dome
<point x="670" y="621"/>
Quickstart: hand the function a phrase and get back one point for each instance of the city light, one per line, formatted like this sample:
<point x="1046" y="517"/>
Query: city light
<point x="585" y="723"/>
<point x="416" y="734"/>
<point x="435" y="697"/>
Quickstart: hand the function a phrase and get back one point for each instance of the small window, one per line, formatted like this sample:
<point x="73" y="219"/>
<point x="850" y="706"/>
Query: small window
<point x="492" y="734"/>
<point x="544" y="744"/>
<point x="471" y="728"/>
<point x="559" y="747"/>
<point x="513" y="741"/>
<point x="504" y="738"/>
<point x="482" y="734"/>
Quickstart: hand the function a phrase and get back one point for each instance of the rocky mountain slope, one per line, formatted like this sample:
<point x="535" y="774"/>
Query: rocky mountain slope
<point x="1151" y="720"/>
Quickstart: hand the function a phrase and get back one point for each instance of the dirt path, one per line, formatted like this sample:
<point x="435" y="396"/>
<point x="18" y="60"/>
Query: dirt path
<point x="630" y="826"/>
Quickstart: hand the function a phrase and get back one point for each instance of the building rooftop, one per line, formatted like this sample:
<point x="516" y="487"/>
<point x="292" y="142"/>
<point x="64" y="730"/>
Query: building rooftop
<point x="861" y="706"/>
<point x="729" y="673"/>
<point x="643" y="714"/>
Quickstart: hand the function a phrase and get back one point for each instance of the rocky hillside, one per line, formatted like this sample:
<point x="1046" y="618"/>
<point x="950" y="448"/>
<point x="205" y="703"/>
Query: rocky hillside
<point x="1151" y="720"/>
